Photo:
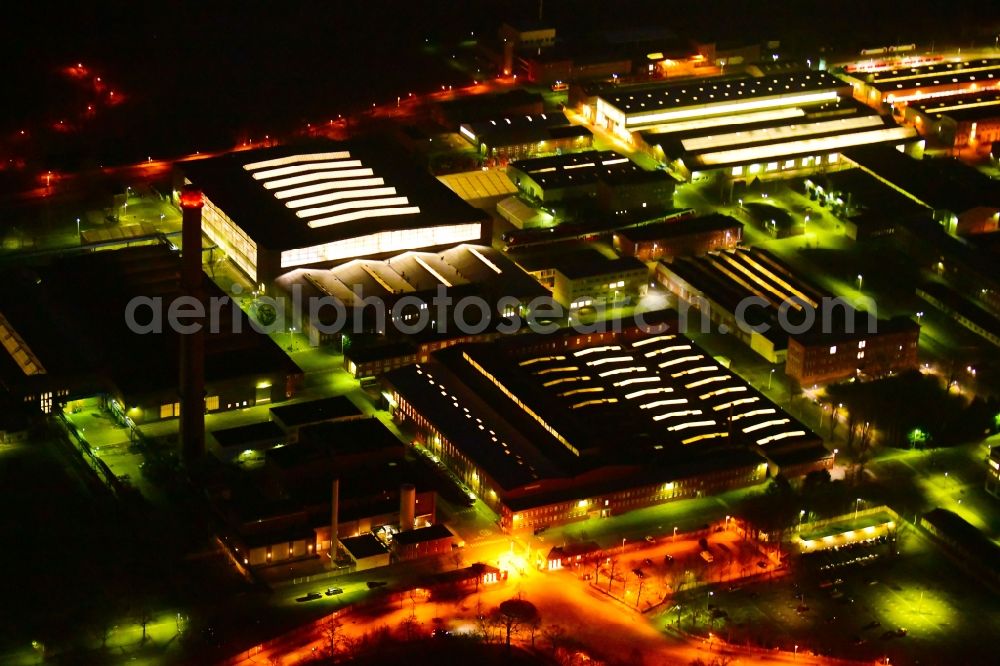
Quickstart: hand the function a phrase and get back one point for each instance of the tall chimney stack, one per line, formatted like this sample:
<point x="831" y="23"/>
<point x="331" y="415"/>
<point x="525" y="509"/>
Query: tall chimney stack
<point x="407" y="507"/>
<point x="334" y="518"/>
<point x="192" y="345"/>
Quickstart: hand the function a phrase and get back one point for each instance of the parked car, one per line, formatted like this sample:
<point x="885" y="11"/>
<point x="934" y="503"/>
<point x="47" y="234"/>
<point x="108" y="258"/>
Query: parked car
<point x="331" y="591"/>
<point x="312" y="596"/>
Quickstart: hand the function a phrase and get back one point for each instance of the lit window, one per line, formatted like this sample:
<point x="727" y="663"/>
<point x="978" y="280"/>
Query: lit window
<point x="754" y="168"/>
<point x="833" y="350"/>
<point x="861" y="354"/>
<point x="832" y="158"/>
<point x="212" y="403"/>
<point x="737" y="171"/>
<point x="861" y="345"/>
<point x="772" y="166"/>
<point x="789" y="164"/>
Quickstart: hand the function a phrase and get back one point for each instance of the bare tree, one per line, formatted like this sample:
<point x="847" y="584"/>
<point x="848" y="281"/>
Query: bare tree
<point x="555" y="635"/>
<point x="330" y="631"/>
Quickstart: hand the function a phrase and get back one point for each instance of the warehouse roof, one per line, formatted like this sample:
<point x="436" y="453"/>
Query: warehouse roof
<point x="667" y="230"/>
<point x="429" y="533"/>
<point x="981" y="70"/>
<point x="314" y="411"/>
<point x="584" y="168"/>
<point x="303" y="195"/>
<point x="254" y="433"/>
<point x="363" y="545"/>
<point x="521" y="129"/>
<point x="653" y="98"/>
<point x="76" y="338"/>
<point x="591" y="263"/>
<point x="937" y="183"/>
<point x="969" y="107"/>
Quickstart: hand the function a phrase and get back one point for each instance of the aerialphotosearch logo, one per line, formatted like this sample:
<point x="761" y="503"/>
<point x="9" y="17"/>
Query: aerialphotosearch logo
<point x="473" y="315"/>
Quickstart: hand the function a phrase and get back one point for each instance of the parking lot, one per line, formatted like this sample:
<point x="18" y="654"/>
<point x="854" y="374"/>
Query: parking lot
<point x="864" y="603"/>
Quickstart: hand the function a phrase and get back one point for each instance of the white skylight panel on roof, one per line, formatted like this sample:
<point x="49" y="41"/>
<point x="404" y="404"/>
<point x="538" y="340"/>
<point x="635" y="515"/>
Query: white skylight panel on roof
<point x="353" y="205"/>
<point x="370" y="193"/>
<point x="304" y="168"/>
<point x="780" y="436"/>
<point x="649" y="341"/>
<point x="318" y="176"/>
<point x="661" y="403"/>
<point x="325" y="187"/>
<point x="678" y="414"/>
<point x="637" y="380"/>
<point x="650" y="391"/>
<point x="363" y="215"/>
<point x="765" y="424"/>
<point x="295" y="159"/>
<point x="682" y="359"/>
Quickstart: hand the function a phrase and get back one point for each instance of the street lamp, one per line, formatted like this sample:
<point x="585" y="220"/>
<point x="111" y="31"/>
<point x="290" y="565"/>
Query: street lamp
<point x="861" y="280"/>
<point x="623" y="545"/>
<point x="802" y="512"/>
<point x="857" y="502"/>
<point x="674" y="538"/>
<point x="835" y="452"/>
<point x="769" y="378"/>
<point x="796" y="653"/>
<point x="78" y="228"/>
<point x="920" y="316"/>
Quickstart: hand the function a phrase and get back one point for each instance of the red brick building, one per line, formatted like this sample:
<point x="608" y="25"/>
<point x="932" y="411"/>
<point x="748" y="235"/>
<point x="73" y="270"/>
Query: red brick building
<point x="682" y="238"/>
<point x="888" y="346"/>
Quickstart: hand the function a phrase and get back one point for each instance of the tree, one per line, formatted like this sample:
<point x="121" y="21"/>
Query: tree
<point x="555" y="635"/>
<point x="513" y="614"/>
<point x="330" y="631"/>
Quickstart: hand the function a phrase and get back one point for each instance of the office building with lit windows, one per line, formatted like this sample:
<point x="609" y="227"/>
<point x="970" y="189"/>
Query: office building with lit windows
<point x="548" y="429"/>
<point x="277" y="209"/>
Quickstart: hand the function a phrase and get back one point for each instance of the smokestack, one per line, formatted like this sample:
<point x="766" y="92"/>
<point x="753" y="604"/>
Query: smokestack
<point x="407" y="506"/>
<point x="192" y="345"/>
<point x="334" y="517"/>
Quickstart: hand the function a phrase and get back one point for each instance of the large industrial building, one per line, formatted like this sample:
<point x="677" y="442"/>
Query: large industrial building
<point x="519" y="137"/>
<point x="957" y="121"/>
<point x="547" y="429"/>
<point x="406" y="285"/>
<point x="885" y="88"/>
<point x="62" y="347"/>
<point x="276" y="209"/>
<point x="774" y="126"/>
<point x="615" y="183"/>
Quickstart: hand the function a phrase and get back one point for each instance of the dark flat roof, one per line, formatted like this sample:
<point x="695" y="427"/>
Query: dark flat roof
<point x="942" y="184"/>
<point x="429" y="533"/>
<point x="691" y="226"/>
<point x="254" y="433"/>
<point x="937" y="73"/>
<point x="313" y="411"/>
<point x="591" y="263"/>
<point x="966" y="535"/>
<point x="76" y="336"/>
<point x="961" y="306"/>
<point x="363" y="545"/>
<point x="274" y="226"/>
<point x="586" y="167"/>
<point x="326" y="441"/>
